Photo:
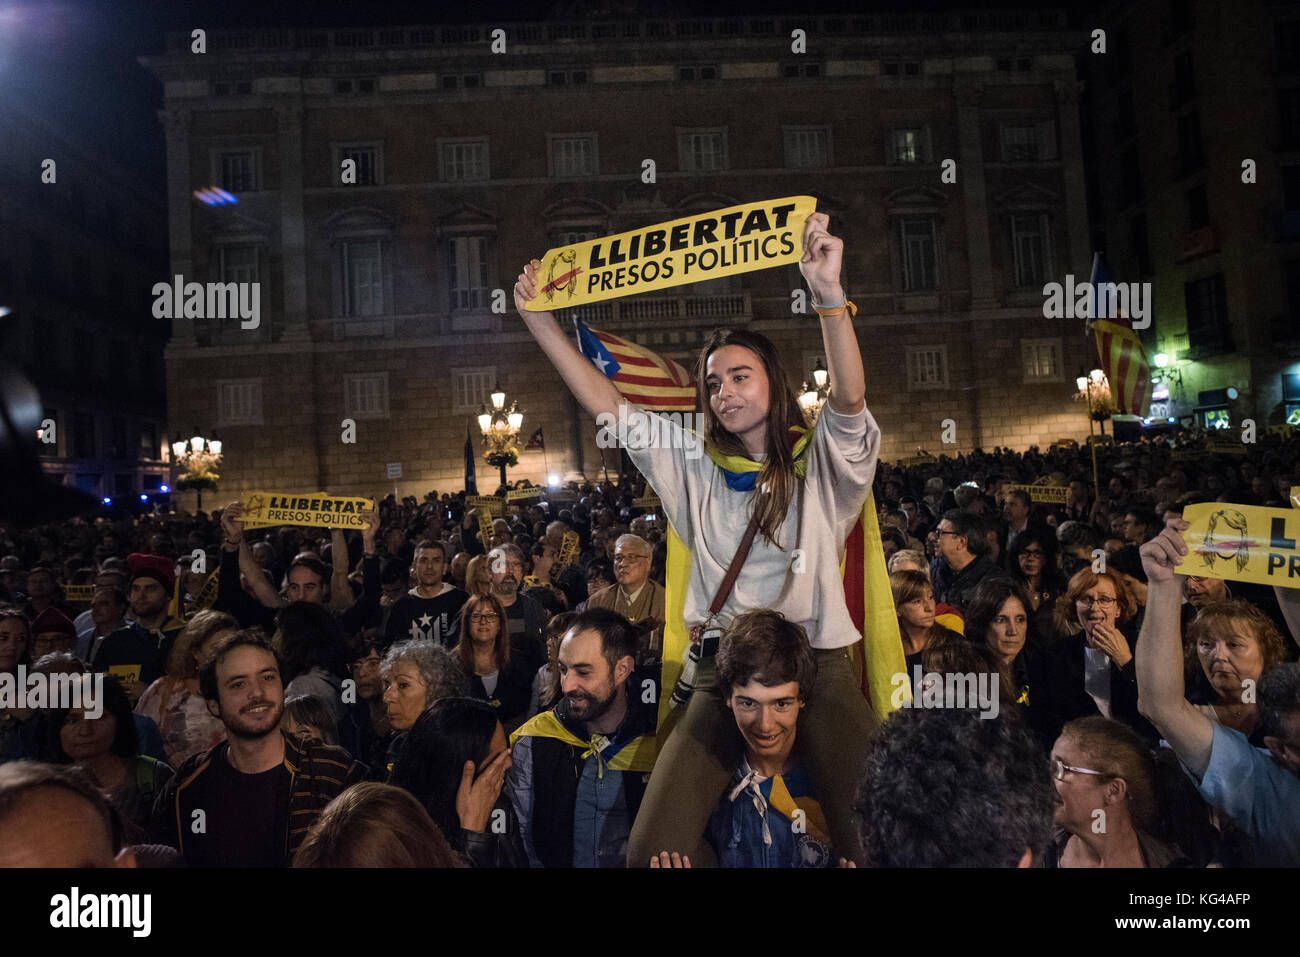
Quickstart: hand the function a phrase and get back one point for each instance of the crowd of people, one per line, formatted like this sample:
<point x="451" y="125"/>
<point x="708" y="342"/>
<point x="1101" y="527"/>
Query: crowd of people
<point x="448" y="689"/>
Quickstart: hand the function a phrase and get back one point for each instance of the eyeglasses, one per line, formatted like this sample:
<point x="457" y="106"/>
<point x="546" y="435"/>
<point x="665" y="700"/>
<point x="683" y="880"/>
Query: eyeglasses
<point x="1032" y="553"/>
<point x="944" y="531"/>
<point x="1059" y="768"/>
<point x="629" y="559"/>
<point x="482" y="619"/>
<point x="1104" y="600"/>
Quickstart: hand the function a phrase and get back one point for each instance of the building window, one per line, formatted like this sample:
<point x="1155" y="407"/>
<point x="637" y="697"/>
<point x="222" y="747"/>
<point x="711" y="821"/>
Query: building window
<point x="909" y="145"/>
<point x="702" y="151"/>
<point x="453" y="81"/>
<point x="1207" y="312"/>
<point x="571" y="237"/>
<point x="1184" y="79"/>
<point x="807" y="147"/>
<point x="901" y="67"/>
<point x="566" y="77"/>
<point x="918" y="244"/>
<point x="692" y="73"/>
<point x="464" y="160"/>
<point x="1031" y="249"/>
<point x="468" y="267"/>
<point x="1019" y="144"/>
<point x="472" y="389"/>
<point x="237" y="263"/>
<point x="239" y="402"/>
<point x="363" y="283"/>
<point x="355" y="85"/>
<point x="1190" y="155"/>
<point x="368" y="161"/>
<point x="574" y="155"/>
<point x="83" y="435"/>
<point x="238" y="170"/>
<point x="1288" y="104"/>
<point x="1198" y="207"/>
<point x="1286" y="34"/>
<point x="801" y="70"/>
<point x="1041" y="359"/>
<point x="927" y="367"/>
<point x="232" y="87"/>
<point x="365" y="396"/>
<point x="1140" y="243"/>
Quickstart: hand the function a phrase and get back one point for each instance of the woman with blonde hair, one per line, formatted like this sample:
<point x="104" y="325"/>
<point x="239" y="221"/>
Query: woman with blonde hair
<point x="174" y="701"/>
<point x="478" y="576"/>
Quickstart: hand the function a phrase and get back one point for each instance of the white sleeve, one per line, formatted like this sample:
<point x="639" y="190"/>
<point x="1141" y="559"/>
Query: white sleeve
<point x="666" y="455"/>
<point x="842" y="459"/>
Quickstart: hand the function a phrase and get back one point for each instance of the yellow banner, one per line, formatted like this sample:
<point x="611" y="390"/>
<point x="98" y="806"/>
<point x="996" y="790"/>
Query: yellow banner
<point x="488" y="503"/>
<point x="314" y="509"/>
<point x="1042" y="493"/>
<point x="1245" y="543"/>
<point x="523" y="494"/>
<point x="648" y="501"/>
<point x="78" y="594"/>
<point x="1295" y="496"/>
<point x="568" y="552"/>
<point x="724" y="242"/>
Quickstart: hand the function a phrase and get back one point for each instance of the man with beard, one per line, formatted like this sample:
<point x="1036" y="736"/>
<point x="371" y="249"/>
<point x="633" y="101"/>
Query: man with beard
<point x="579" y="771"/>
<point x="136" y="653"/>
<point x="249" y="801"/>
<point x="428" y="609"/>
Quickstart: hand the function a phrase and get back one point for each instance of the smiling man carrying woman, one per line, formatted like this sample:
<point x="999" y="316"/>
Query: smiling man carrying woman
<point x="795" y="495"/>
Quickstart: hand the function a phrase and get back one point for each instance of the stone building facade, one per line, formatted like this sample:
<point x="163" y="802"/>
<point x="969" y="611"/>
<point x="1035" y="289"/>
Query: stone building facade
<point x="377" y="296"/>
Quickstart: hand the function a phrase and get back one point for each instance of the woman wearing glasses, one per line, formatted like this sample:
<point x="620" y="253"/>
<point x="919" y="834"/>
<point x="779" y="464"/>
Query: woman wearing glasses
<point x="1106" y="809"/>
<point x="1031" y="560"/>
<point x="1090" y="669"/>
<point x="498" y="673"/>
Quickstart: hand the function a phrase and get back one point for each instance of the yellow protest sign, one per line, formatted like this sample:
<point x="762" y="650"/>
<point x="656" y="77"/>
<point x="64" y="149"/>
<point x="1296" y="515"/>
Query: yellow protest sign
<point x="127" y="674"/>
<point x="486" y="503"/>
<point x="647" y="501"/>
<point x="1042" y="493"/>
<point x="568" y="552"/>
<point x="724" y="242"/>
<point x="314" y="509"/>
<point x="523" y="494"/>
<point x="1295" y="496"/>
<point x="1246" y="543"/>
<point x="78" y="594"/>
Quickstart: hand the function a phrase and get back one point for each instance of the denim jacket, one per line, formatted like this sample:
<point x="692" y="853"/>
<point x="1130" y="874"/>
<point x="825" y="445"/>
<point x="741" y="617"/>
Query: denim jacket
<point x="747" y="830"/>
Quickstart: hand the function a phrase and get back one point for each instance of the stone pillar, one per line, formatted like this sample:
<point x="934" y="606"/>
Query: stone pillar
<point x="179" y="219"/>
<point x="1076" y="197"/>
<point x="293" y="243"/>
<point x="970" y="177"/>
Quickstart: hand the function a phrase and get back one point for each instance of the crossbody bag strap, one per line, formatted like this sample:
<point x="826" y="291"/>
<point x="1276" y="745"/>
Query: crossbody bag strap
<point x="733" y="570"/>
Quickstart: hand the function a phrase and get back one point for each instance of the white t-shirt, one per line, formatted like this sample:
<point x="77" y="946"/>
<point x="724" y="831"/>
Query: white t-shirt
<point x="710" y="519"/>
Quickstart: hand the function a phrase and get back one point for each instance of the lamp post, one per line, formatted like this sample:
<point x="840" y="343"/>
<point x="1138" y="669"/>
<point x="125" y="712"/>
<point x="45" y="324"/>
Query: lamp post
<point x="500" y="430"/>
<point x="1094" y="389"/>
<point x="812" y="400"/>
<point x="197" y="459"/>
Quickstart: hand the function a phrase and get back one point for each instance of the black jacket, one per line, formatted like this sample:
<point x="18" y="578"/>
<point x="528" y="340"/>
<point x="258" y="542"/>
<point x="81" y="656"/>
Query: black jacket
<point x="956" y="588"/>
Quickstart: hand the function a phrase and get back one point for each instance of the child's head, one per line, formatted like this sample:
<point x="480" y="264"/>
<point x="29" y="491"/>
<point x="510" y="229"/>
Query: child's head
<point x="766" y="671"/>
<point x="308" y="718"/>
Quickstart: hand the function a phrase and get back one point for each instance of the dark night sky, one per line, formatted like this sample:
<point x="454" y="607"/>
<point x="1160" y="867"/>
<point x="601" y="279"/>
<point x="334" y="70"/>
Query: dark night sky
<point x="75" y="60"/>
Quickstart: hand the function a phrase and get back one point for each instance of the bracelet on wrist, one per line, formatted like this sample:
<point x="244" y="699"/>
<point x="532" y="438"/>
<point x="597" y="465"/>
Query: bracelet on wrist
<point x="836" y="308"/>
<point x="234" y="541"/>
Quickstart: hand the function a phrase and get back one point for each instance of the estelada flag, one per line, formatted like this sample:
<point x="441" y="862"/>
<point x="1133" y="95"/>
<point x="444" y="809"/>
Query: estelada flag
<point x="1120" y="350"/>
<point x="536" y="440"/>
<point x="654" y="382"/>
<point x="877" y="658"/>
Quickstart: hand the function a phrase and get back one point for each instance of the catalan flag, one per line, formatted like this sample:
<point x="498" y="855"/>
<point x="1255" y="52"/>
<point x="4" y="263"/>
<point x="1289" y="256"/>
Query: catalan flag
<point x="652" y="381"/>
<point x="1118" y="347"/>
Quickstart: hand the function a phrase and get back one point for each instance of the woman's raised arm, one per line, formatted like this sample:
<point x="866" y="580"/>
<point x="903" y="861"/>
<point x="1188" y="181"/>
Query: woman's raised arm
<point x="822" y="257"/>
<point x="594" y="392"/>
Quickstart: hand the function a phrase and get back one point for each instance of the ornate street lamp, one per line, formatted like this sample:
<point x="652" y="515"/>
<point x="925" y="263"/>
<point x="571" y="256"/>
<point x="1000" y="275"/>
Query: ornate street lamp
<point x="196" y="459"/>
<point x="500" y="430"/>
<point x="811" y="400"/>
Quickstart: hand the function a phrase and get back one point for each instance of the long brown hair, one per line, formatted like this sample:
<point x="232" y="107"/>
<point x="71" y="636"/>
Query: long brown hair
<point x="464" y="649"/>
<point x="776" y="481"/>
